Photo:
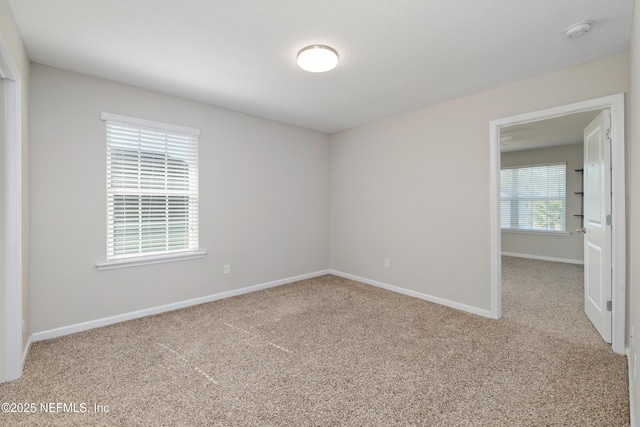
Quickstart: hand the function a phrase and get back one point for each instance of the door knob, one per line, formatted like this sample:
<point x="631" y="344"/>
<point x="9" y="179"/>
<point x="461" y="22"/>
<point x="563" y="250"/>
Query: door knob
<point x="581" y="230"/>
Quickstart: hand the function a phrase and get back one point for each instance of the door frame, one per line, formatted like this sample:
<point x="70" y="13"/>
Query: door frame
<point x="11" y="281"/>
<point x="618" y="199"/>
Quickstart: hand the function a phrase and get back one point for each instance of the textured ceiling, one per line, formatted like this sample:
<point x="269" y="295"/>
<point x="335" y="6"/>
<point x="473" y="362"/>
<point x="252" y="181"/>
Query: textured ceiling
<point x="562" y="130"/>
<point x="395" y="56"/>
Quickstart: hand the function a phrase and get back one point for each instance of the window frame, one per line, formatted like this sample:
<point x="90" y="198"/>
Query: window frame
<point x="160" y="256"/>
<point x="563" y="231"/>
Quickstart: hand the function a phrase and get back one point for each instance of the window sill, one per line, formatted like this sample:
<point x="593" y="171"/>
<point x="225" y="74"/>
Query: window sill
<point x="546" y="233"/>
<point x="156" y="259"/>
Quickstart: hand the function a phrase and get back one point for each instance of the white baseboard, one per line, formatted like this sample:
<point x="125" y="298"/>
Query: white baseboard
<point x="25" y="352"/>
<point x="430" y="298"/>
<point x="544" y="258"/>
<point x="92" y="324"/>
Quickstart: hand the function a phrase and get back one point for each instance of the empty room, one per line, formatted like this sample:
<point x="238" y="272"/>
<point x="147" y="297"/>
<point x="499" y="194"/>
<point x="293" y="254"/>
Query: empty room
<point x="358" y="213"/>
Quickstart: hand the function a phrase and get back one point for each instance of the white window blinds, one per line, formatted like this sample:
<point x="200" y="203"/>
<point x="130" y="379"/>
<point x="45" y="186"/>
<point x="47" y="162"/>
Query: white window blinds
<point x="152" y="188"/>
<point x="533" y="198"/>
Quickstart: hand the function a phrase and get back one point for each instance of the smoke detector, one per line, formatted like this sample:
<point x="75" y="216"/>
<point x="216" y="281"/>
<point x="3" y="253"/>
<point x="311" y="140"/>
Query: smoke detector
<point x="576" y="30"/>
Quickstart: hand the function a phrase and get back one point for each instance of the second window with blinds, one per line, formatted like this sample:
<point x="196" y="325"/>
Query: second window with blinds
<point x="152" y="189"/>
<point x="533" y="198"/>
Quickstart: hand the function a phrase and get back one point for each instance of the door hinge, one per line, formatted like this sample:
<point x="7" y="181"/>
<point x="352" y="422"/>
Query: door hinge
<point x="609" y="306"/>
<point x="608" y="219"/>
<point x="608" y="134"/>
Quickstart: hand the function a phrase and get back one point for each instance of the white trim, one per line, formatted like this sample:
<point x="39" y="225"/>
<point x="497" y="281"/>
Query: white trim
<point x="616" y="104"/>
<point x="534" y="165"/>
<point x="157" y="259"/>
<point x="25" y="352"/>
<point x="92" y="324"/>
<point x="538" y="233"/>
<point x="495" y="236"/>
<point x="11" y="283"/>
<point x="544" y="258"/>
<point x="632" y="399"/>
<point x="148" y="123"/>
<point x="619" y="233"/>
<point x="426" y="297"/>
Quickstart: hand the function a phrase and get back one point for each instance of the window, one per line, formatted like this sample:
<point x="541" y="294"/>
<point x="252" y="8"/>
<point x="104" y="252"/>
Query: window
<point x="152" y="188"/>
<point x="533" y="198"/>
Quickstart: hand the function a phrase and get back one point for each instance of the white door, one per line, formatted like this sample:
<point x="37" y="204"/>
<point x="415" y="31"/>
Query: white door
<point x="597" y="220"/>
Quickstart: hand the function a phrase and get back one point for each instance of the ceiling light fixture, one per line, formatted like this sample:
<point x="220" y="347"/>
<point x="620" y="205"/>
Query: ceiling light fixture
<point x="317" y="58"/>
<point x="576" y="30"/>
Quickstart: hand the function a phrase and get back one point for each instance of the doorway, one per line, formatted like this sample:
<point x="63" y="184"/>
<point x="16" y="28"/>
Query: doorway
<point x="11" y="339"/>
<point x="615" y="104"/>
<point x="542" y="218"/>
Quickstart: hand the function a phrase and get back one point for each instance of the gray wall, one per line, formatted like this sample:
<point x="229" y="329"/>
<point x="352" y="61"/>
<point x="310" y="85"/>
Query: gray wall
<point x="415" y="188"/>
<point x="263" y="201"/>
<point x="560" y="247"/>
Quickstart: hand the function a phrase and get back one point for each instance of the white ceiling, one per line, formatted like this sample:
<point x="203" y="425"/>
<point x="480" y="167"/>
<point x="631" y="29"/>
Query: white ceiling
<point x="395" y="56"/>
<point x="562" y="130"/>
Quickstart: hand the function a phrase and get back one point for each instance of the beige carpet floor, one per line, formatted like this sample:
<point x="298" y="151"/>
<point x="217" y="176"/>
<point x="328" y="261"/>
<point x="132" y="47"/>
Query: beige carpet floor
<point x="333" y="352"/>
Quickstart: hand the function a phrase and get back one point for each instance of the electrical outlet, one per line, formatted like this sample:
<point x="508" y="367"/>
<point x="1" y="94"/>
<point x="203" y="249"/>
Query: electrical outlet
<point x="635" y="366"/>
<point x="632" y="335"/>
<point x="387" y="264"/>
<point x="227" y="269"/>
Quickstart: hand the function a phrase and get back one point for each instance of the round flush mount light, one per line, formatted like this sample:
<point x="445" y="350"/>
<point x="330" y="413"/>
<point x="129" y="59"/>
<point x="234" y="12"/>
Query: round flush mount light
<point x="317" y="58"/>
<point x="576" y="30"/>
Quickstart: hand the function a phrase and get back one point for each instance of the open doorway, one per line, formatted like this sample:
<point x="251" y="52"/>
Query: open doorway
<point x="541" y="166"/>
<point x="500" y="128"/>
<point x="542" y="209"/>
